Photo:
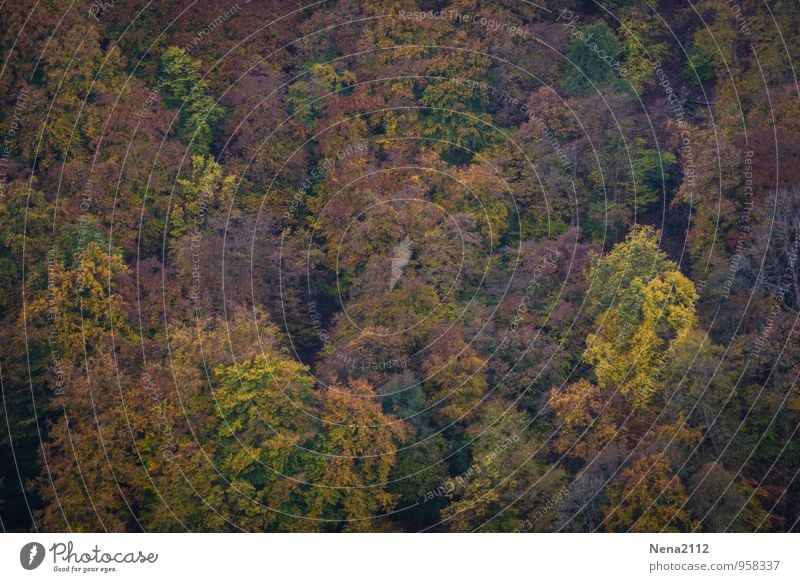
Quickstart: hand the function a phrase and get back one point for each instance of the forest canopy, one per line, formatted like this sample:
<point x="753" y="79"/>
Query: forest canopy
<point x="400" y="265"/>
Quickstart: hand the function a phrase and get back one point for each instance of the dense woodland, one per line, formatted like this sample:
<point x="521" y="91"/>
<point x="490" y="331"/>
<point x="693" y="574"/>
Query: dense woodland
<point x="381" y="265"/>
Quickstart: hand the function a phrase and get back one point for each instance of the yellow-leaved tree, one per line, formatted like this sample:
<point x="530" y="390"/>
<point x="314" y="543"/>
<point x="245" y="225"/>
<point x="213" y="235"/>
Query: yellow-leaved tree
<point x="648" y="497"/>
<point x="644" y="306"/>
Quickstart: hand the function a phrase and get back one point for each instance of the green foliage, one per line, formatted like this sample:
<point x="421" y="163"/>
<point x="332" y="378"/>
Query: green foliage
<point x="308" y="96"/>
<point x="456" y="118"/>
<point x="418" y="473"/>
<point x="491" y="384"/>
<point x="262" y="428"/>
<point x="699" y="67"/>
<point x="592" y="59"/>
<point x="650" y="171"/>
<point x="183" y="88"/>
<point x="76" y="236"/>
<point x="198" y="195"/>
<point x="535" y="228"/>
<point x="634" y="175"/>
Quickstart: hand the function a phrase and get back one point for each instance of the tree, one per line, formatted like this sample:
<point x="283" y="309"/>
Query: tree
<point x="234" y="455"/>
<point x="266" y="407"/>
<point x="647" y="497"/>
<point x="359" y="444"/>
<point x="591" y="55"/>
<point x="699" y="67"/>
<point x="641" y="31"/>
<point x="771" y="258"/>
<point x="724" y="503"/>
<point x="586" y="423"/>
<point x="455" y="118"/>
<point x="419" y="471"/>
<point x="82" y="301"/>
<point x="507" y="482"/>
<point x="309" y="96"/>
<point x="94" y="480"/>
<point x="183" y="88"/>
<point x="197" y="195"/>
<point x="455" y="378"/>
<point x="645" y="306"/>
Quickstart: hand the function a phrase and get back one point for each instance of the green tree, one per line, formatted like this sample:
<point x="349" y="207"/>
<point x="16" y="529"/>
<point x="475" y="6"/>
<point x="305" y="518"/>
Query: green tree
<point x="700" y="66"/>
<point x="592" y="59"/>
<point x="182" y="87"/>
<point x="261" y="432"/>
<point x="309" y="96"/>
<point x="198" y="194"/>
<point x="641" y="32"/>
<point x="455" y="117"/>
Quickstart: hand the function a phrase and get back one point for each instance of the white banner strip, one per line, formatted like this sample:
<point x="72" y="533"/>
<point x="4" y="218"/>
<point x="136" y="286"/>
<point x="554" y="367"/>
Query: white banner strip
<point x="400" y="557"/>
